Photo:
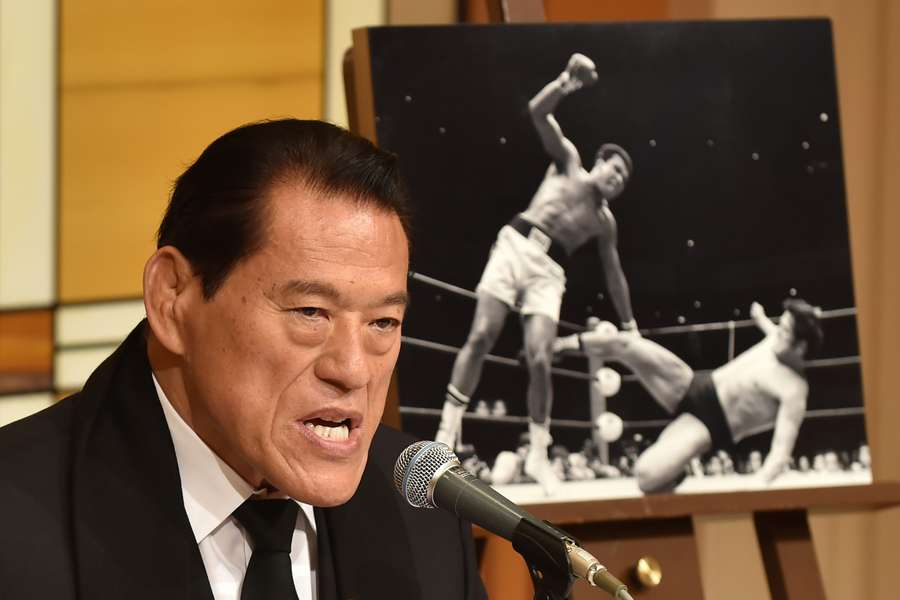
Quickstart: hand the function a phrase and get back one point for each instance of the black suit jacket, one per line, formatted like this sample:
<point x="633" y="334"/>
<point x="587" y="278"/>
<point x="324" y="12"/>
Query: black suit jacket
<point x="91" y="507"/>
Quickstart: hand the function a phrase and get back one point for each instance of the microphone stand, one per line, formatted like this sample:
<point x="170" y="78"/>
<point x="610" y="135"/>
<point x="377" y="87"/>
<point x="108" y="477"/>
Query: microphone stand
<point x="547" y="559"/>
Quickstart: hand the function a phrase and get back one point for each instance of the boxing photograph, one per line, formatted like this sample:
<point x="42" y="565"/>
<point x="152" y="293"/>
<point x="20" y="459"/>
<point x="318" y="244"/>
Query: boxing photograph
<point x="631" y="270"/>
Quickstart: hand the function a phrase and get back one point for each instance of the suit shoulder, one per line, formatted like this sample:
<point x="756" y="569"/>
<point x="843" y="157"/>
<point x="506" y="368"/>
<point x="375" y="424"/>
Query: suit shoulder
<point x="37" y="444"/>
<point x="35" y="469"/>
<point x="387" y="445"/>
<point x="37" y="430"/>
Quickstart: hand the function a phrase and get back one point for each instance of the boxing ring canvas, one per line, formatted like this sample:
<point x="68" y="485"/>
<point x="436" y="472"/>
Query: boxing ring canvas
<point x="733" y="196"/>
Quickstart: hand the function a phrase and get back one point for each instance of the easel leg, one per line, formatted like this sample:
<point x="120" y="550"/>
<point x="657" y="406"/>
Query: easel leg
<point x="788" y="555"/>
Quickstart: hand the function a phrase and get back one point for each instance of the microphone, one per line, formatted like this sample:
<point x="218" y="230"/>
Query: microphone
<point x="428" y="475"/>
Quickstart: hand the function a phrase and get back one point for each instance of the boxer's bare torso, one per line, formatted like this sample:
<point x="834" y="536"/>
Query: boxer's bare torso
<point x="753" y="386"/>
<point x="569" y="208"/>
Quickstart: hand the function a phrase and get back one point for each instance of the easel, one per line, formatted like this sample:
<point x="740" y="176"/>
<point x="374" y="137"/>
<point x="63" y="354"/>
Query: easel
<point x="620" y="532"/>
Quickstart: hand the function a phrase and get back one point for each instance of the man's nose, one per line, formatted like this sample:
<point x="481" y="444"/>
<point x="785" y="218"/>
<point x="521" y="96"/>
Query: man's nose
<point x="344" y="362"/>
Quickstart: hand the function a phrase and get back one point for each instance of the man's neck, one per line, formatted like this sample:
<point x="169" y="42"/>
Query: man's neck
<point x="167" y="371"/>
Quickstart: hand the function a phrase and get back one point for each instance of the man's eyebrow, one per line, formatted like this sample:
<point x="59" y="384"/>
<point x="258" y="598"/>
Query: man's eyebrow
<point x="316" y="288"/>
<point x="398" y="299"/>
<point x="326" y="290"/>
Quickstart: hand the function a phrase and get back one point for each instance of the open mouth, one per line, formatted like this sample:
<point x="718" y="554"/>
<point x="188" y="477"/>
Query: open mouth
<point x="327" y="429"/>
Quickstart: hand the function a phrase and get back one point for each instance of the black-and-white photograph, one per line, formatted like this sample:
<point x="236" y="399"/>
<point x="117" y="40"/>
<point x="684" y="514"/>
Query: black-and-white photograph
<point x="630" y="266"/>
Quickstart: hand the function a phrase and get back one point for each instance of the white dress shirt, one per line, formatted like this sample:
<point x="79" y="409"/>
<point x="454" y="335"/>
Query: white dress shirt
<point x="212" y="491"/>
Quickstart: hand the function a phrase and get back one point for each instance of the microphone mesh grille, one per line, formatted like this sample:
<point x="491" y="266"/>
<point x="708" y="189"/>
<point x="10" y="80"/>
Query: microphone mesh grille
<point x="415" y="468"/>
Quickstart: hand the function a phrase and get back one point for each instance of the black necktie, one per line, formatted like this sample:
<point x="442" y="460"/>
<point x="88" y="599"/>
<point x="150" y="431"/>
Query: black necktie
<point x="270" y="524"/>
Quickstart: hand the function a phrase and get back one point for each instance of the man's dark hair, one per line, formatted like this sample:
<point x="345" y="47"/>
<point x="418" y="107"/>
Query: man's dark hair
<point x="607" y="151"/>
<point x="217" y="212"/>
<point x="807" y="324"/>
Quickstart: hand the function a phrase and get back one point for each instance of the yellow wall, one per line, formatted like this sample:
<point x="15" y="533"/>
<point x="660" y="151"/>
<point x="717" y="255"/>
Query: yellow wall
<point x="145" y="86"/>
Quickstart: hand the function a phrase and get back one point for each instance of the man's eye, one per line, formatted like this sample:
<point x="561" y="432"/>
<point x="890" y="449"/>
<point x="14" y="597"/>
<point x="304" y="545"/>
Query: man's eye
<point x="386" y="324"/>
<point x="310" y="312"/>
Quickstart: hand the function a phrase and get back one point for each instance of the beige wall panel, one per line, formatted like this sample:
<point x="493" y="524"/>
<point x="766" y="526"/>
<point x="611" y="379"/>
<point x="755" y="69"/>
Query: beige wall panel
<point x="27" y="152"/>
<point x="13" y="408"/>
<point x="71" y="368"/>
<point x="123" y="147"/>
<point x="96" y="323"/>
<point x="107" y="41"/>
<point x="342" y="17"/>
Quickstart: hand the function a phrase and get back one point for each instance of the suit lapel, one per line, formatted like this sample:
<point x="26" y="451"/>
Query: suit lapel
<point x="132" y="535"/>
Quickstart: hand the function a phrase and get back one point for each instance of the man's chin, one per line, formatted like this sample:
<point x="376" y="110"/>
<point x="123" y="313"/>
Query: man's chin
<point x="325" y="489"/>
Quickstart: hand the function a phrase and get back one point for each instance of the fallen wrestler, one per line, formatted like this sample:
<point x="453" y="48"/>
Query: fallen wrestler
<point x="762" y="388"/>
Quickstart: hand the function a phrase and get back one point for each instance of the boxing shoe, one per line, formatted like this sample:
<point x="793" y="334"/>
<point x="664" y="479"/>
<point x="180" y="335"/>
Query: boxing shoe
<point x="538" y="467"/>
<point x="537" y="463"/>
<point x="450" y="428"/>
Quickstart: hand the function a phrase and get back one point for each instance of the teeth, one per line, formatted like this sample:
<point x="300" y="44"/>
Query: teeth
<point x="338" y="433"/>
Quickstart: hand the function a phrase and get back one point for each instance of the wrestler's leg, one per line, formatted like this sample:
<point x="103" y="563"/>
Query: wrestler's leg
<point x="660" y="467"/>
<point x="539" y="331"/>
<point x="659" y="370"/>
<point x="490" y="315"/>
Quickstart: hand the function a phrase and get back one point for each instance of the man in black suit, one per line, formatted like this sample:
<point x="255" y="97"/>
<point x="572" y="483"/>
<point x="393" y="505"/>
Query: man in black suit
<point x="231" y="447"/>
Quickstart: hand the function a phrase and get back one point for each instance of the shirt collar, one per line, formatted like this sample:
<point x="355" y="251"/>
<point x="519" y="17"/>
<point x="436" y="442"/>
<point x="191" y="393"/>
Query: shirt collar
<point x="212" y="490"/>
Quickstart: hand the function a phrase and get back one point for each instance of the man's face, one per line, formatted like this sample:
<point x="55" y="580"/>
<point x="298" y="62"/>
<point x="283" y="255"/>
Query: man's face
<point x="287" y="367"/>
<point x="610" y="176"/>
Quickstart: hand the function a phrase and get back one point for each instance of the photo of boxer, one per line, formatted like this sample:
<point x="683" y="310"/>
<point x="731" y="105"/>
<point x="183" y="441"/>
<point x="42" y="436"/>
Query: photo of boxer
<point x="681" y="190"/>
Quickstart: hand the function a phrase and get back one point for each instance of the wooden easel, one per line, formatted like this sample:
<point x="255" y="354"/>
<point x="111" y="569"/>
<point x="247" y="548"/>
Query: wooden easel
<point x="620" y="532"/>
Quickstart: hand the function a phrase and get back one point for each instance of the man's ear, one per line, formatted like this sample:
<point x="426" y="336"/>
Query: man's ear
<point x="169" y="287"/>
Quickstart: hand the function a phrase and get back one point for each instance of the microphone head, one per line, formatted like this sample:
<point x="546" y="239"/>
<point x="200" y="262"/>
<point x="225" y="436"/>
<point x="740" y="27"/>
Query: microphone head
<point x="416" y="468"/>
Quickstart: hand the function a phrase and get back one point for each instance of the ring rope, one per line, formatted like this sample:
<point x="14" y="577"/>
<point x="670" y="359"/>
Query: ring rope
<point x="515" y="419"/>
<point x="474" y="296"/>
<point x="668" y="330"/>
<point x="512" y="362"/>
<point x="444" y="286"/>
<point x="500" y="360"/>
<point x="701" y="327"/>
<point x="822" y="413"/>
